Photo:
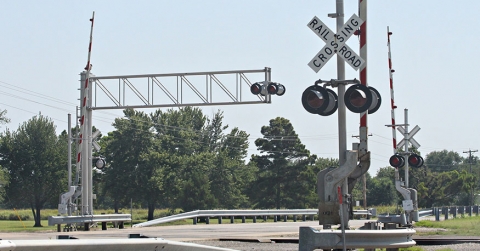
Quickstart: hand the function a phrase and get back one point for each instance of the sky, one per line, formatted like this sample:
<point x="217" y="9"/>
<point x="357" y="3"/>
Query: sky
<point x="44" y="47"/>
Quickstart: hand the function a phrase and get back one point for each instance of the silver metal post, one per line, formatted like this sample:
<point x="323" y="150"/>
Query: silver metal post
<point x="88" y="154"/>
<point x="77" y="166"/>
<point x="342" y="128"/>
<point x="407" y="140"/>
<point x="268" y="78"/>
<point x="84" y="155"/>
<point x="342" y="220"/>
<point x="69" y="147"/>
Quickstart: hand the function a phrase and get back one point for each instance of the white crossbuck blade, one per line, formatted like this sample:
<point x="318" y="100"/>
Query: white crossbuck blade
<point x="335" y="43"/>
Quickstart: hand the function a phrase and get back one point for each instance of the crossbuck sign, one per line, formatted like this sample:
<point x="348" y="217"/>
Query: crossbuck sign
<point x="410" y="137"/>
<point x="335" y="43"/>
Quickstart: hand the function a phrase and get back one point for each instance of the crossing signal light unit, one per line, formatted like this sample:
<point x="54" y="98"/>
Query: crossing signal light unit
<point x="318" y="100"/>
<point x="358" y="99"/>
<point x="415" y="160"/>
<point x="397" y="161"/>
<point x="257" y="89"/>
<point x="276" y="88"/>
<point x="271" y="88"/>
<point x="99" y="162"/>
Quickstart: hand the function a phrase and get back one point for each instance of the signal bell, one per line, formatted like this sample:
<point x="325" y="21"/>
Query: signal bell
<point x="415" y="160"/>
<point x="397" y="161"/>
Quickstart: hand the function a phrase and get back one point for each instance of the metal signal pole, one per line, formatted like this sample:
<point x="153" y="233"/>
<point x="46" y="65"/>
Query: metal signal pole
<point x="363" y="147"/>
<point x="342" y="127"/>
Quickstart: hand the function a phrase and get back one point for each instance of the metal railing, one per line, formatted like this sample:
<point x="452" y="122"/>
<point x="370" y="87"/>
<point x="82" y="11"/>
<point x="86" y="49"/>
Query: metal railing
<point x="131" y="244"/>
<point x="241" y="213"/>
<point x="449" y="211"/>
<point x="425" y="212"/>
<point x="54" y="220"/>
<point x="453" y="211"/>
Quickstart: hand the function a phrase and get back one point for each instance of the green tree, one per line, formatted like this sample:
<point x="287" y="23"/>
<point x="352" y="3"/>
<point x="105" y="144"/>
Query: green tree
<point x="381" y="191"/>
<point x="130" y="174"/>
<point x="3" y="183"/>
<point x="444" y="160"/>
<point x="3" y="118"/>
<point x="381" y="188"/>
<point x="229" y="175"/>
<point x="443" y="180"/>
<point x="282" y="161"/>
<point x="36" y="161"/>
<point x="386" y="172"/>
<point x="357" y="192"/>
<point x="180" y="136"/>
<point x="195" y="185"/>
<point x="310" y="178"/>
<point x="445" y="188"/>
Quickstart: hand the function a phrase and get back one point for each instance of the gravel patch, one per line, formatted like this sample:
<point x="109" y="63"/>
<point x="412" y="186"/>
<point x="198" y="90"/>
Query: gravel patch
<point x="456" y="247"/>
<point x="271" y="246"/>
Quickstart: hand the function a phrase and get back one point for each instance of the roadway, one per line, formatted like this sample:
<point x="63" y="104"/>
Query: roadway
<point x="200" y="231"/>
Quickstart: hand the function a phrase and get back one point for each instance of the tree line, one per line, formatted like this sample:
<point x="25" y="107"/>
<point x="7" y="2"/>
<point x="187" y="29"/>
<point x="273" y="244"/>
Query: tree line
<point x="182" y="159"/>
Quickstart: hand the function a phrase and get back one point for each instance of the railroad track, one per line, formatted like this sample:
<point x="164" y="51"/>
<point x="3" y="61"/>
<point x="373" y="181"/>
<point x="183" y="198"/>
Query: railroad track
<point x="419" y="240"/>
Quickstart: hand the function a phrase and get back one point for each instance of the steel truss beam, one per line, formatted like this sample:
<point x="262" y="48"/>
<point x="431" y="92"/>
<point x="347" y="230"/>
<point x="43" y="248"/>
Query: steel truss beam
<point x="177" y="89"/>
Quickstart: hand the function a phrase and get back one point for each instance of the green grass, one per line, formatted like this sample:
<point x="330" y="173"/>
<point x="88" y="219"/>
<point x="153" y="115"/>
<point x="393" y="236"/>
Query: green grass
<point x="24" y="226"/>
<point x="466" y="226"/>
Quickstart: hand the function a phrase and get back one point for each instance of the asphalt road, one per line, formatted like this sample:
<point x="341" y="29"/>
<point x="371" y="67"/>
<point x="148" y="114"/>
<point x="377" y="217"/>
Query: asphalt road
<point x="186" y="232"/>
<point x="208" y="234"/>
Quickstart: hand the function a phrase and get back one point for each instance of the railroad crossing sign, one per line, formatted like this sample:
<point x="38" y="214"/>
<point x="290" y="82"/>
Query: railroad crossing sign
<point x="335" y="43"/>
<point x="410" y="136"/>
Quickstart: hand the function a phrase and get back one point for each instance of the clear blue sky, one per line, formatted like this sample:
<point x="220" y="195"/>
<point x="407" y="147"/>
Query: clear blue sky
<point x="44" y="47"/>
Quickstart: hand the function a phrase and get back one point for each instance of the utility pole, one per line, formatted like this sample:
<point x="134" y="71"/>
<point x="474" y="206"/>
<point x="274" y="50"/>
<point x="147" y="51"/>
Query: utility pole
<point x="470" y="163"/>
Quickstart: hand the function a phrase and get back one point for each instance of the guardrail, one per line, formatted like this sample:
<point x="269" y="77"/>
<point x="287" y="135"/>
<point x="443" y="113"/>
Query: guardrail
<point x="207" y="214"/>
<point x="53" y="220"/>
<point x="87" y="219"/>
<point x="133" y="244"/>
<point x="449" y="211"/>
<point x="425" y="212"/>
<point x="312" y="239"/>
<point x="454" y="211"/>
